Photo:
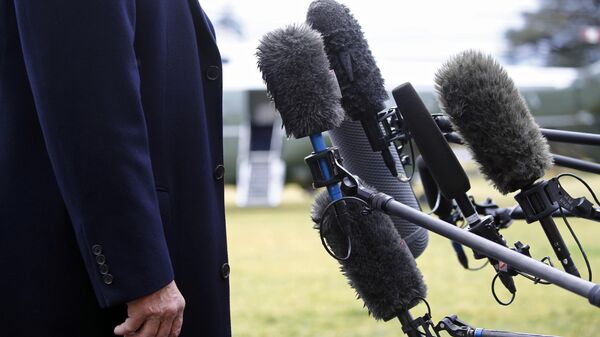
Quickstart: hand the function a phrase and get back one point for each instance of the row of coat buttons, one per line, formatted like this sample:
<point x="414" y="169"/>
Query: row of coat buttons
<point x="102" y="266"/>
<point x="213" y="73"/>
<point x="108" y="278"/>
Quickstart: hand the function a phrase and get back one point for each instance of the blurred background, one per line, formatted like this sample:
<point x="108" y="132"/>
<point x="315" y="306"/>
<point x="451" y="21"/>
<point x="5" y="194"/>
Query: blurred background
<point x="283" y="282"/>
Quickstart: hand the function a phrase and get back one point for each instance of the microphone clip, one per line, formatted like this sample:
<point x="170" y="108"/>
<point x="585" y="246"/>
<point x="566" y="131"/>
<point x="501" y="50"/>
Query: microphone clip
<point x="332" y="159"/>
<point x="502" y="218"/>
<point x="391" y="123"/>
<point x="454" y="327"/>
<point x="544" y="198"/>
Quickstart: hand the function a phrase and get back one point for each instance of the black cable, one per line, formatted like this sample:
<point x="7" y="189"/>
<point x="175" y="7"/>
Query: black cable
<point x="581" y="181"/>
<point x="323" y="230"/>
<point x="535" y="280"/>
<point x="407" y="178"/>
<point x="480" y="267"/>
<point x="496" y="296"/>
<point x="585" y="257"/>
<point x="437" y="203"/>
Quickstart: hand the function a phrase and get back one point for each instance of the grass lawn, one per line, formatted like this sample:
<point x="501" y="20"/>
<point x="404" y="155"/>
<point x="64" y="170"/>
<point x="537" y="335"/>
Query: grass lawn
<point x="284" y="284"/>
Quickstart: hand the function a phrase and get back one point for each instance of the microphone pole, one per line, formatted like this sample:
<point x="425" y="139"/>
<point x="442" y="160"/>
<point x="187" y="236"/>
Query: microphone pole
<point x="387" y="204"/>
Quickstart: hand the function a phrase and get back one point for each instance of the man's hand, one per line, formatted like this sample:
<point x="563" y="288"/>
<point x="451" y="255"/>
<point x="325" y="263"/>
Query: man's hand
<point x="159" y="314"/>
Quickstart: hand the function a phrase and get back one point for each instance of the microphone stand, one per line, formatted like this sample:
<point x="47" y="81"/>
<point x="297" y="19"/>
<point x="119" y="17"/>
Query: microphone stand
<point x="571" y="137"/>
<point x="457" y="328"/>
<point x="561" y="136"/>
<point x="381" y="201"/>
<point x="560" y="160"/>
<point x="423" y="327"/>
<point x="577" y="164"/>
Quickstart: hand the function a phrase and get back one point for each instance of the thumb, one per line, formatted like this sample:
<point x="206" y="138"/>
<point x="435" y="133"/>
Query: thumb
<point x="131" y="325"/>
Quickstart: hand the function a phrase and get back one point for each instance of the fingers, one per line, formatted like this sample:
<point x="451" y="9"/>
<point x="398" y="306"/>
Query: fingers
<point x="165" y="328"/>
<point x="131" y="325"/>
<point x="149" y="329"/>
<point x="159" y="314"/>
<point x="172" y="327"/>
<point x="176" y="327"/>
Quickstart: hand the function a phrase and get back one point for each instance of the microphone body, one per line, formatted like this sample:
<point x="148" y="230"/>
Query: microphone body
<point x="359" y="159"/>
<point x="491" y="116"/>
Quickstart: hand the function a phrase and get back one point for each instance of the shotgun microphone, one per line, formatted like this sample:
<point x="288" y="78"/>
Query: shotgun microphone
<point x="363" y="96"/>
<point x="447" y="171"/>
<point x="296" y="71"/>
<point x="359" y="78"/>
<point x="492" y="117"/>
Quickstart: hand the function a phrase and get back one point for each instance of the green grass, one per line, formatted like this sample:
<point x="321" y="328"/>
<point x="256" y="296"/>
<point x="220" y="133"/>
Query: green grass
<point x="284" y="284"/>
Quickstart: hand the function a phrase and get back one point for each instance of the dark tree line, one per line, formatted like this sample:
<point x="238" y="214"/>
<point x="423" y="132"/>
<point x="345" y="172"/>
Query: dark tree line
<point x="553" y="34"/>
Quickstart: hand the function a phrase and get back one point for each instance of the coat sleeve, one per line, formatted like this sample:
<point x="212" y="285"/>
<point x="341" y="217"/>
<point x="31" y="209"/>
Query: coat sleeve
<point x="81" y="64"/>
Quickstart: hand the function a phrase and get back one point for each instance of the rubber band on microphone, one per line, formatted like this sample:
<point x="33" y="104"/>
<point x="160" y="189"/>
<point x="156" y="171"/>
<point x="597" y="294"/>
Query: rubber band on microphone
<point x="323" y="228"/>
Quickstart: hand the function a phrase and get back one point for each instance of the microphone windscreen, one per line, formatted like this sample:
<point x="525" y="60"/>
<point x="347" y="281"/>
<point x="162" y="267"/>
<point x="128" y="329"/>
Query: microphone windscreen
<point x="360" y="159"/>
<point x="492" y="117"/>
<point x="380" y="268"/>
<point x="361" y="83"/>
<point x="296" y="70"/>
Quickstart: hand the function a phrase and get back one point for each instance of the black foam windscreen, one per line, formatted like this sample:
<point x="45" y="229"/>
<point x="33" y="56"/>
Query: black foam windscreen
<point x="361" y="83"/>
<point x="296" y="70"/>
<point x="492" y="117"/>
<point x="442" y="162"/>
<point x="360" y="160"/>
<point x="380" y="268"/>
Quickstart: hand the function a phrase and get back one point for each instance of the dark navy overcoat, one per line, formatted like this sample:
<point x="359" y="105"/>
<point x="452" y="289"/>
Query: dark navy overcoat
<point x="111" y="176"/>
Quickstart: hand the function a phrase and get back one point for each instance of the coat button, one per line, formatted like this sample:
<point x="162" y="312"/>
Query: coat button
<point x="97" y="250"/>
<point x="103" y="269"/>
<point x="108" y="279"/>
<point x="225" y="270"/>
<point x="219" y="172"/>
<point x="100" y="259"/>
<point x="213" y="72"/>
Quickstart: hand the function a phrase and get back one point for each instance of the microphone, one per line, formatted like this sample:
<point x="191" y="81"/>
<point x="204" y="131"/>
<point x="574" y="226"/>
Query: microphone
<point x="363" y="96"/>
<point x="490" y="114"/>
<point x="368" y="165"/>
<point x="381" y="268"/>
<point x="359" y="78"/>
<point x="441" y="206"/>
<point x="296" y="71"/>
<point x="447" y="171"/>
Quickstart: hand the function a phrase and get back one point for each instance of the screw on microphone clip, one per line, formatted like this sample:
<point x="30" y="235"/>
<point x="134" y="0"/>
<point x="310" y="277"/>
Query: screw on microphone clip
<point x="393" y="133"/>
<point x="330" y="157"/>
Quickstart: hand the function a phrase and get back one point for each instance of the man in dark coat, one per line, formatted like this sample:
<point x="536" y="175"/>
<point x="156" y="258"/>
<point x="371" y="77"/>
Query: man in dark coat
<point x="111" y="176"/>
